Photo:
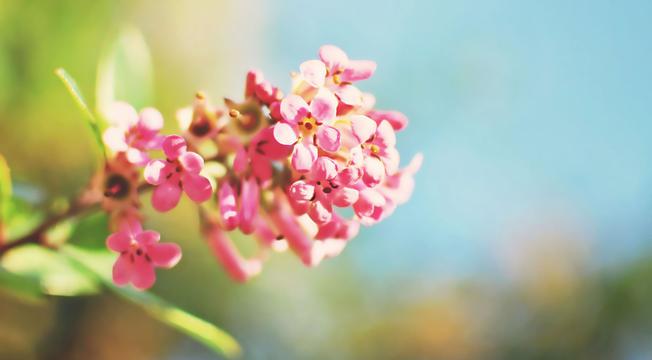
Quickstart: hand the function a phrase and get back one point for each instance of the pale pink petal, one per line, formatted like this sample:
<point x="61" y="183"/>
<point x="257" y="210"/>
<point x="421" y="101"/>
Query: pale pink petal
<point x="328" y="138"/>
<point x="323" y="106"/>
<point x="156" y="172"/>
<point x="114" y="138"/>
<point x="137" y="157"/>
<point x="391" y="159"/>
<point x="328" y="229"/>
<point x="249" y="198"/>
<point x="303" y="157"/>
<point x="143" y="275"/>
<point x="166" y="196"/>
<point x="301" y="191"/>
<point x="357" y="70"/>
<point x="165" y="255"/>
<point x="174" y="146"/>
<point x="363" y="127"/>
<point x="121" y="114"/>
<point x="348" y="230"/>
<point x="324" y="168"/>
<point x="320" y="212"/>
<point x="374" y="171"/>
<point x="396" y="119"/>
<point x="151" y="120"/>
<point x="228" y="206"/>
<point x="197" y="187"/>
<point x="314" y="72"/>
<point x="148" y="237"/>
<point x="346" y="197"/>
<point x="385" y="135"/>
<point x="367" y="202"/>
<point x="118" y="241"/>
<point x="293" y="108"/>
<point x="284" y="133"/>
<point x="191" y="162"/>
<point x="184" y="118"/>
<point x="333" y="56"/>
<point x="122" y="270"/>
<point x="349" y="95"/>
<point x="349" y="175"/>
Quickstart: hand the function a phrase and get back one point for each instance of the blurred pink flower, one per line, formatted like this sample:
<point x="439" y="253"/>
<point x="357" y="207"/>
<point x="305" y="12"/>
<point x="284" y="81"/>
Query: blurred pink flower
<point x="131" y="133"/>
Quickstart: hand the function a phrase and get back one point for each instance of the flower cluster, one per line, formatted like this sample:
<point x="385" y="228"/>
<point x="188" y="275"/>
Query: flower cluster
<point x="283" y="168"/>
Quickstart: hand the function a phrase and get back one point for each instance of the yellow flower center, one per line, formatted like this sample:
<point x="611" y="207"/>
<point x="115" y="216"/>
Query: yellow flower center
<point x="308" y="126"/>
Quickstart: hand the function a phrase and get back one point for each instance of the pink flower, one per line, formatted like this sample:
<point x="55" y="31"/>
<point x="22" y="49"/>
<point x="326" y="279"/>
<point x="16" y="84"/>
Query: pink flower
<point x="140" y="252"/>
<point x="239" y="210"/>
<point x="308" y="127"/>
<point x="239" y="268"/>
<point x="261" y="89"/>
<point x="132" y="133"/>
<point x="381" y="156"/>
<point x="180" y="171"/>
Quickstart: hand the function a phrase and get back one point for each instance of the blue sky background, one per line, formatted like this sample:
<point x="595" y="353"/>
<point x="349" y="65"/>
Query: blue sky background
<point x="524" y="110"/>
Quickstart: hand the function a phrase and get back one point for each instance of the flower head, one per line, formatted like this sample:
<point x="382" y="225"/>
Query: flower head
<point x="139" y="254"/>
<point x="179" y="172"/>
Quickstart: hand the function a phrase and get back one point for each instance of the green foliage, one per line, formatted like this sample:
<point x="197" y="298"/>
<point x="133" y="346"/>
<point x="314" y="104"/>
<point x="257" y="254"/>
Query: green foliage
<point x="77" y="96"/>
<point x="5" y="190"/>
<point x="99" y="263"/>
<point x="125" y="72"/>
<point x="54" y="272"/>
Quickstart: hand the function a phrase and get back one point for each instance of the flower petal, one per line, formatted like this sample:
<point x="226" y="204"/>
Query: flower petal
<point x="301" y="191"/>
<point x="228" y="206"/>
<point x="332" y="56"/>
<point x="324" y="105"/>
<point x="191" y="162"/>
<point x="249" y="198"/>
<point x="397" y="119"/>
<point x="314" y="72"/>
<point x="166" y="196"/>
<point x="293" y="108"/>
<point x="174" y="146"/>
<point x="303" y="157"/>
<point x="357" y="70"/>
<point x="197" y="187"/>
<point x="164" y="255"/>
<point x="118" y="241"/>
<point x="114" y="138"/>
<point x="122" y="270"/>
<point x="328" y="138"/>
<point x="156" y="172"/>
<point x="385" y="135"/>
<point x="121" y="114"/>
<point x="374" y="171"/>
<point x="349" y="95"/>
<point x="346" y="197"/>
<point x="143" y="275"/>
<point x="284" y="134"/>
<point x="137" y="157"/>
<point x="148" y="237"/>
<point x="151" y="120"/>
<point x="320" y="212"/>
<point x="363" y="127"/>
<point x="324" y="168"/>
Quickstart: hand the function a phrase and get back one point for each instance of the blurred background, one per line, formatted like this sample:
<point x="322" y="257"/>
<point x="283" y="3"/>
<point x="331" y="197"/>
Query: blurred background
<point x="529" y="233"/>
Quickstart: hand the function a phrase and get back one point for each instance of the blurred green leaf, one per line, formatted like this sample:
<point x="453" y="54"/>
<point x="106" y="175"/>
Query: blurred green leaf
<point x="24" y="287"/>
<point x="76" y="94"/>
<point x="91" y="231"/>
<point x="100" y="262"/>
<point x="5" y="196"/>
<point x="125" y="72"/>
<point x="56" y="273"/>
<point x="22" y="217"/>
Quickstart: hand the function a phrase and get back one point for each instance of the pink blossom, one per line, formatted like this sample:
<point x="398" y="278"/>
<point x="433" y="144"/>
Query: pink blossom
<point x="308" y="127"/>
<point x="180" y="171"/>
<point x="140" y="252"/>
<point x="131" y="133"/>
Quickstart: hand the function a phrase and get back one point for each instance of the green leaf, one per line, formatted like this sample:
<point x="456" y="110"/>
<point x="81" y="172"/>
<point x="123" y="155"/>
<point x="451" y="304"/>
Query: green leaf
<point x="55" y="273"/>
<point x="100" y="262"/>
<point x="125" y="72"/>
<point x="91" y="231"/>
<point x="5" y="195"/>
<point x="24" y="287"/>
<point x="77" y="96"/>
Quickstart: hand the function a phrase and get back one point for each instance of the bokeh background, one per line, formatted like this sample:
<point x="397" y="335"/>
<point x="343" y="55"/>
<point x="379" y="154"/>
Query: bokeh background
<point x="529" y="232"/>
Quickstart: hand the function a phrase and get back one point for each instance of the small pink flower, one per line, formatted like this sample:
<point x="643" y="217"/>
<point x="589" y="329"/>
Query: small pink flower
<point x="180" y="171"/>
<point x="398" y="120"/>
<point x="239" y="210"/>
<point x="132" y="133"/>
<point x="341" y="68"/>
<point x="140" y="252"/>
<point x="309" y="127"/>
<point x="381" y="157"/>
<point x="261" y="89"/>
